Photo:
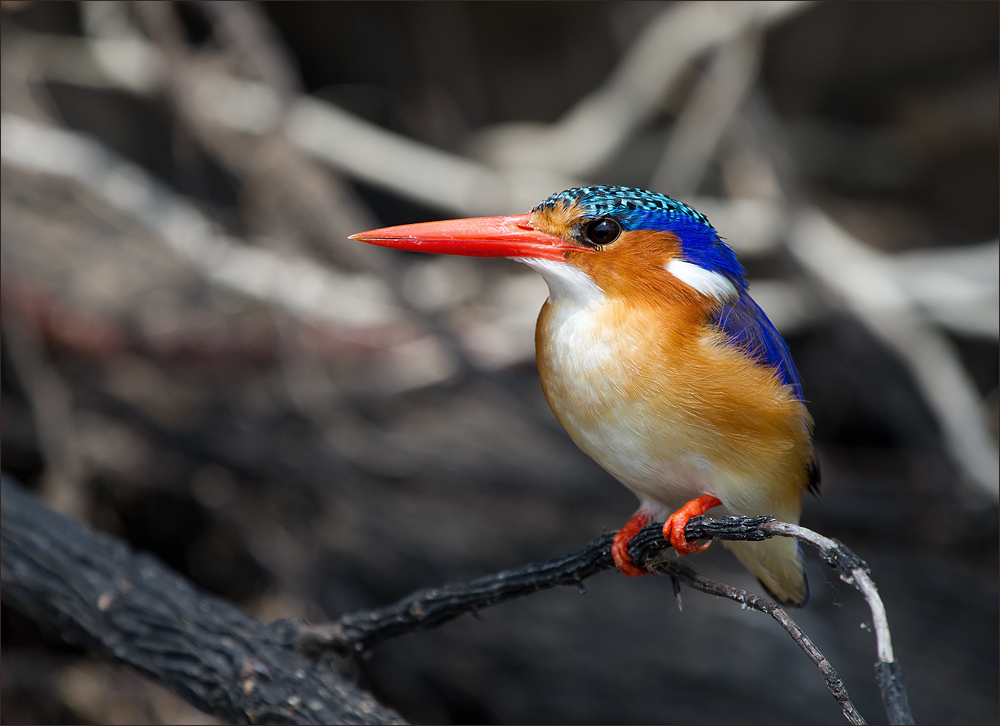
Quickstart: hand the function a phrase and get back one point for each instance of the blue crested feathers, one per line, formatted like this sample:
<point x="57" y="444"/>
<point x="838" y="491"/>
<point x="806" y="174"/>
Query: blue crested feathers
<point x="640" y="209"/>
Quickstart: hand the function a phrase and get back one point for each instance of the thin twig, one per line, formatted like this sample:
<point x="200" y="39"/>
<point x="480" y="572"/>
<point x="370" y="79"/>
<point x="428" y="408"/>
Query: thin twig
<point x="683" y="573"/>
<point x="855" y="572"/>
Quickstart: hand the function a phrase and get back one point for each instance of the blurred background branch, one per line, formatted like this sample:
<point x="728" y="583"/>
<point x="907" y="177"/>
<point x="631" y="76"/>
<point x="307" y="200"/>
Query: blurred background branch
<point x="196" y="359"/>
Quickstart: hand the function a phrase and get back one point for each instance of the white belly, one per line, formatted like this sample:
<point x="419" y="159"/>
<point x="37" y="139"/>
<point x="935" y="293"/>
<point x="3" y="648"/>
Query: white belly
<point x="585" y="371"/>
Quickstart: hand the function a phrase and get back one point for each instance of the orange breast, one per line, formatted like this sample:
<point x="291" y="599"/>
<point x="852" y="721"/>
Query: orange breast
<point x="659" y="400"/>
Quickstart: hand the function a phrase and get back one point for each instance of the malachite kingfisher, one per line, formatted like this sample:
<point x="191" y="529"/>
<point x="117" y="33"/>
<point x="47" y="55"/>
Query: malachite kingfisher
<point x="657" y="362"/>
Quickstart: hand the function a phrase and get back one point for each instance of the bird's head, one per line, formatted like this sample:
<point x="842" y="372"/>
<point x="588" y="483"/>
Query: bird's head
<point x="590" y="243"/>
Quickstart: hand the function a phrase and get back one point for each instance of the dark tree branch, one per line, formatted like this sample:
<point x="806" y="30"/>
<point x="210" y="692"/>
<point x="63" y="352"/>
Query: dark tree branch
<point x="100" y="594"/>
<point x="431" y="607"/>
<point x="889" y="676"/>
<point x="435" y="606"/>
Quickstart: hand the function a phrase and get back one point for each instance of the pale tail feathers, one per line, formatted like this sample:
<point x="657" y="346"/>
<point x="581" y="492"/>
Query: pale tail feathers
<point x="778" y="565"/>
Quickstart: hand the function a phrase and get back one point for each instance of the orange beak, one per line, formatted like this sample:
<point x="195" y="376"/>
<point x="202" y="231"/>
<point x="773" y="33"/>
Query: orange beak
<point x="476" y="237"/>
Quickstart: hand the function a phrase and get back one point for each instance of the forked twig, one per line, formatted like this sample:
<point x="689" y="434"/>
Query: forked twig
<point x="855" y="572"/>
<point x="680" y="572"/>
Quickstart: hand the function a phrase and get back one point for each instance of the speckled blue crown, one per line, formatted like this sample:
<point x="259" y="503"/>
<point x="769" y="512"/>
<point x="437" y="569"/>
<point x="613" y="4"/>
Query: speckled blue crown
<point x="639" y="209"/>
<point x="612" y="201"/>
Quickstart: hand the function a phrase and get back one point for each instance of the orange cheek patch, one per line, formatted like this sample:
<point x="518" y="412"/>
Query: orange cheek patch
<point x="633" y="267"/>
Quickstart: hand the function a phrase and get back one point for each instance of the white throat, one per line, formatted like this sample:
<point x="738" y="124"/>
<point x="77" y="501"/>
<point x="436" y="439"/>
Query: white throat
<point x="566" y="282"/>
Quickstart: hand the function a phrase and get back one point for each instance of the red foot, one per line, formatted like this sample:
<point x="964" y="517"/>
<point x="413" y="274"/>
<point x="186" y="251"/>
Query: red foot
<point x="619" y="548"/>
<point x="673" y="530"/>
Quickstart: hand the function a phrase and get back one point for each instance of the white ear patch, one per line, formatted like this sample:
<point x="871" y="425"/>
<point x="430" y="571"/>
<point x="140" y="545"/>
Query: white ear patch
<point x="706" y="282"/>
<point x="566" y="282"/>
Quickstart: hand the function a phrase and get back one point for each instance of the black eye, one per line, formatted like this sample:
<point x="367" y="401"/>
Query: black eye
<point x="602" y="231"/>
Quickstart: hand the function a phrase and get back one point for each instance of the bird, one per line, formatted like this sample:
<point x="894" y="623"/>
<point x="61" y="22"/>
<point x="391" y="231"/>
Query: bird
<point x="658" y="363"/>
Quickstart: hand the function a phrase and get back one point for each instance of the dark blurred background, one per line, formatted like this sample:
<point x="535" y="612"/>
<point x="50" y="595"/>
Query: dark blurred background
<point x="197" y="360"/>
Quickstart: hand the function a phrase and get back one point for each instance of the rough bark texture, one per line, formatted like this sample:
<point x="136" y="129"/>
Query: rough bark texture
<point x="100" y="594"/>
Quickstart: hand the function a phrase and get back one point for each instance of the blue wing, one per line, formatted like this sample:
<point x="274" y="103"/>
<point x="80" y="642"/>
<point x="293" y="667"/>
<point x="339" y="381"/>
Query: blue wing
<point x="748" y="327"/>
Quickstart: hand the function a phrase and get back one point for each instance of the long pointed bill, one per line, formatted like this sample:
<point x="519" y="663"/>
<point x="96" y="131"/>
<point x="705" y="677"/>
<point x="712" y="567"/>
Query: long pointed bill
<point x="476" y="237"/>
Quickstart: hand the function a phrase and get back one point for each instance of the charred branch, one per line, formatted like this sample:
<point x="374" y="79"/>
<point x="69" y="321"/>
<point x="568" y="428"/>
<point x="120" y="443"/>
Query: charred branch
<point x="431" y="607"/>
<point x="99" y="594"/>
